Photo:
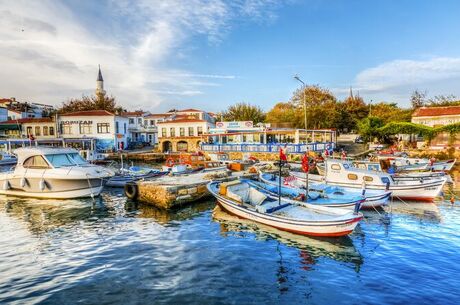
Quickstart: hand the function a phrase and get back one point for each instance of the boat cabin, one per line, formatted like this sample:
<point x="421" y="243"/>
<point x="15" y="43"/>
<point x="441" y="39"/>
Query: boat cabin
<point x="344" y="172"/>
<point x="46" y="158"/>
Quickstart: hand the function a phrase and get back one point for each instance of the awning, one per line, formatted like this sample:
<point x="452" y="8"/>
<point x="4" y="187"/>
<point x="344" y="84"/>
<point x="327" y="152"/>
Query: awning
<point x="10" y="127"/>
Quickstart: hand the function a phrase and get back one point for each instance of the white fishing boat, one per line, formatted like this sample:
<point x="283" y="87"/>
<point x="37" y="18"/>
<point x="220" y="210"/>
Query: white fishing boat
<point x="400" y="173"/>
<point x="246" y="202"/>
<point x="59" y="173"/>
<point x="373" y="198"/>
<point x="421" y="163"/>
<point x="343" y="173"/>
<point x="7" y="159"/>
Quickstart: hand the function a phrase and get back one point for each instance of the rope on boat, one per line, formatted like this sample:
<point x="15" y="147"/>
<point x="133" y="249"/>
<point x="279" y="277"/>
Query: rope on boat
<point x="90" y="188"/>
<point x="401" y="200"/>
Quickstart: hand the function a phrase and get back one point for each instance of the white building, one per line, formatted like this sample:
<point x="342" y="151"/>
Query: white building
<point x="141" y="127"/>
<point x="109" y="130"/>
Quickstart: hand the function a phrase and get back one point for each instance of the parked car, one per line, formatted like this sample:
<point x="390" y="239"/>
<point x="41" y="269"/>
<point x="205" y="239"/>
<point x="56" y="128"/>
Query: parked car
<point x="359" y="140"/>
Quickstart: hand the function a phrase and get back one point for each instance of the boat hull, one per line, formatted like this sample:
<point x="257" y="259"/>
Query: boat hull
<point x="326" y="230"/>
<point x="52" y="188"/>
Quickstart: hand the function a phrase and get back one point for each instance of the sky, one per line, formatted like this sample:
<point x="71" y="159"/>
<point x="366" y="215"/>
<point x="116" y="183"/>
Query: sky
<point x="209" y="54"/>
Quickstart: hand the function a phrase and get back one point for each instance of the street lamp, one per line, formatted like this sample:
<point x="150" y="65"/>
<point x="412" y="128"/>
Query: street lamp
<point x="304" y="99"/>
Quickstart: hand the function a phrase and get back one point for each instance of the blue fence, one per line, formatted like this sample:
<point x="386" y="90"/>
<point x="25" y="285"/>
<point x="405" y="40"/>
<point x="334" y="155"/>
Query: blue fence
<point x="266" y="148"/>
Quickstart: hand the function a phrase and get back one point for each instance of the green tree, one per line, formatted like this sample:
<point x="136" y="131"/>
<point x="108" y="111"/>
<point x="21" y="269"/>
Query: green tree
<point x="443" y="101"/>
<point x="283" y="113"/>
<point x="390" y="112"/>
<point x="244" y="112"/>
<point x="321" y="107"/>
<point x="98" y="102"/>
<point x="368" y="127"/>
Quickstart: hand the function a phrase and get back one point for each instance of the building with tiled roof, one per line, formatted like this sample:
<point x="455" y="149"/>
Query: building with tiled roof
<point x="436" y="117"/>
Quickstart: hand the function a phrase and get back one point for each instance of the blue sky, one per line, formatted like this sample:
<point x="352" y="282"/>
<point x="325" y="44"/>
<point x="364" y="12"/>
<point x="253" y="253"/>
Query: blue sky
<point x="209" y="54"/>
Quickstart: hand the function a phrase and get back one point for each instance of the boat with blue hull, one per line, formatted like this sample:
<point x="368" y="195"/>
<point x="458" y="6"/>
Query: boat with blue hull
<point x="325" y="198"/>
<point x="244" y="201"/>
<point x="373" y="198"/>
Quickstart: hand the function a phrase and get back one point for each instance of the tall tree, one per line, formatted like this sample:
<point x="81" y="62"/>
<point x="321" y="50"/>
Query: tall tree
<point x="244" y="112"/>
<point x="390" y="112"/>
<point x="98" y="102"/>
<point x="443" y="100"/>
<point x="321" y="106"/>
<point x="418" y="99"/>
<point x="284" y="113"/>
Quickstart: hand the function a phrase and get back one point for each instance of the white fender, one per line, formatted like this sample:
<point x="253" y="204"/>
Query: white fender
<point x="42" y="184"/>
<point x="23" y="182"/>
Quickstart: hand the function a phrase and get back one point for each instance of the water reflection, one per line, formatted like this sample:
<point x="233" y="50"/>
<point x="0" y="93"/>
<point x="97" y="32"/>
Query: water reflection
<point x="311" y="249"/>
<point x="426" y="211"/>
<point x="167" y="216"/>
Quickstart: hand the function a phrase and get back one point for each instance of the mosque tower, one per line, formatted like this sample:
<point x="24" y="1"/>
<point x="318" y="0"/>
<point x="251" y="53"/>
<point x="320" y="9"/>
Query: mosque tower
<point x="100" y="83"/>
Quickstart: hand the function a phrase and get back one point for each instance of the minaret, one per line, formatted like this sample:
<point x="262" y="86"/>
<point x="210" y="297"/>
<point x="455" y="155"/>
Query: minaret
<point x="100" y="83"/>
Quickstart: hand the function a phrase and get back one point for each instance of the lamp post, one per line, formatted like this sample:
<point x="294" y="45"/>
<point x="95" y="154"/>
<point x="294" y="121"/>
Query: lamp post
<point x="304" y="100"/>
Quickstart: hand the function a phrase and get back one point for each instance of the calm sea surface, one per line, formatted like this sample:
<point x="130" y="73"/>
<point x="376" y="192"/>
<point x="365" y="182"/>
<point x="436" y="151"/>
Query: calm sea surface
<point x="114" y="251"/>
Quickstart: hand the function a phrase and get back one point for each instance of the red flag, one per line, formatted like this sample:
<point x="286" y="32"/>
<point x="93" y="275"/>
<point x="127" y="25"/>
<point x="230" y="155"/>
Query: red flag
<point x="305" y="164"/>
<point x="283" y="156"/>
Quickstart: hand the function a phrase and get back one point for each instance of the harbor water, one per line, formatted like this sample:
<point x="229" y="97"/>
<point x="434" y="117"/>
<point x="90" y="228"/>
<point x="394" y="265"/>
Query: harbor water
<point x="114" y="251"/>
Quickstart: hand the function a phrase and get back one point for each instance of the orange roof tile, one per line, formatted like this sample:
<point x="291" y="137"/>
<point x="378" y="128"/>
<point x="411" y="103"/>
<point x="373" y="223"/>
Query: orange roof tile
<point x="436" y="111"/>
<point x="89" y="113"/>
<point x="28" y="120"/>
<point x="182" y="121"/>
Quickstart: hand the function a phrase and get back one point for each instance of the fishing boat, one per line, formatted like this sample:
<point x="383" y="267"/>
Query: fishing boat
<point x="343" y="173"/>
<point x="133" y="173"/>
<point x="59" y="173"/>
<point x="191" y="162"/>
<point x="421" y="163"/>
<point x="400" y="173"/>
<point x="326" y="197"/>
<point x="244" y="201"/>
<point x="372" y="198"/>
<point x="7" y="159"/>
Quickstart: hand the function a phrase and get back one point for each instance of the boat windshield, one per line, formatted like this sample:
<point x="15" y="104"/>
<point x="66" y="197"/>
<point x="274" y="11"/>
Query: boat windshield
<point x="78" y="159"/>
<point x="63" y="160"/>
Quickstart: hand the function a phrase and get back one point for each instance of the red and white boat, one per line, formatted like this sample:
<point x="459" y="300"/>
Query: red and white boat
<point x="242" y="200"/>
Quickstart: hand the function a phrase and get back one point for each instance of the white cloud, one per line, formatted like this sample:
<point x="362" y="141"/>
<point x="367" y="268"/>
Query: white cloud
<point x="398" y="78"/>
<point x="49" y="50"/>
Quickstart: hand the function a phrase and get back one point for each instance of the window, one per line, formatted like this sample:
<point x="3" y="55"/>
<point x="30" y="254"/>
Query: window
<point x="60" y="160"/>
<point x="200" y="130"/>
<point x="77" y="159"/>
<point x="336" y="167"/>
<point x="191" y="131"/>
<point x="37" y="130"/>
<point x="131" y="121"/>
<point x="172" y="132"/>
<point x="29" y="130"/>
<point x="117" y="128"/>
<point x="45" y="130"/>
<point x="85" y="129"/>
<point x="352" y="177"/>
<point x="368" y="179"/>
<point x="163" y="132"/>
<point x="152" y="122"/>
<point x="51" y="131"/>
<point x="66" y="129"/>
<point x="124" y="128"/>
<point x="35" y="162"/>
<point x="386" y="180"/>
<point x="103" y="128"/>
<point x="182" y="131"/>
<point x="139" y="121"/>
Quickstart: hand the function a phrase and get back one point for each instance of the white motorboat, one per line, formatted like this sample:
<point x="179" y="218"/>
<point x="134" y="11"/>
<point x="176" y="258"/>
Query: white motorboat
<point x="7" y="159"/>
<point x="246" y="202"/>
<point x="60" y="173"/>
<point x="343" y="173"/>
